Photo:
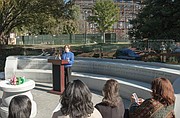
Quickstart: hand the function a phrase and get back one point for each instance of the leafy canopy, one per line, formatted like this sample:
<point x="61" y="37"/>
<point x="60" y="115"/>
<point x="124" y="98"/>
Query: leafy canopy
<point x="159" y="19"/>
<point x="105" y="14"/>
<point x="35" y="16"/>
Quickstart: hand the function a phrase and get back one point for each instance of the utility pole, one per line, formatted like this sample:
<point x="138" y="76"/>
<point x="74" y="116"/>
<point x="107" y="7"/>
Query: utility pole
<point x="85" y="27"/>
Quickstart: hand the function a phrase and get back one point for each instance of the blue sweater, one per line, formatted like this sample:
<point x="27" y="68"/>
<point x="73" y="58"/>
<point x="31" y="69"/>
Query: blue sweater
<point x="68" y="56"/>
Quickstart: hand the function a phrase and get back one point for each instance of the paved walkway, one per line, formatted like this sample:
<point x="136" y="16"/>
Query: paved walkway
<point x="47" y="102"/>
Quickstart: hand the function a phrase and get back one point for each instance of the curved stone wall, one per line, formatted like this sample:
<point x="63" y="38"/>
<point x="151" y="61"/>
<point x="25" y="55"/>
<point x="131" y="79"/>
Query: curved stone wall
<point x="134" y="70"/>
<point x="133" y="76"/>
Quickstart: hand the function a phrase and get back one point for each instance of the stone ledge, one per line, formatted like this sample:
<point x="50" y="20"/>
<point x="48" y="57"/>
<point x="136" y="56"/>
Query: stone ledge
<point x="35" y="70"/>
<point x="127" y="87"/>
<point x="37" y="75"/>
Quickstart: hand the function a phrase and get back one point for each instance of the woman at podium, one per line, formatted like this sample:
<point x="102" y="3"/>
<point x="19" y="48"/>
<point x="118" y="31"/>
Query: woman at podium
<point x="67" y="55"/>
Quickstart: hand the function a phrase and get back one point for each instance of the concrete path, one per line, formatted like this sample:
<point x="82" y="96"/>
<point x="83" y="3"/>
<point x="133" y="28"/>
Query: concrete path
<point x="47" y="102"/>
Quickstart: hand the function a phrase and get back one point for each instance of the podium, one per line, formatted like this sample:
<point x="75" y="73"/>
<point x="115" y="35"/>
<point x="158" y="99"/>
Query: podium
<point x="58" y="75"/>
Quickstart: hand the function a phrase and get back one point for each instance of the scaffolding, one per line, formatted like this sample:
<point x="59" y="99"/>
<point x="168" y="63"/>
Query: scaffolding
<point x="128" y="9"/>
<point x="85" y="27"/>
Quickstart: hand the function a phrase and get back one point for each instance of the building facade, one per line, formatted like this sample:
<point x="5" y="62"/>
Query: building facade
<point x="127" y="10"/>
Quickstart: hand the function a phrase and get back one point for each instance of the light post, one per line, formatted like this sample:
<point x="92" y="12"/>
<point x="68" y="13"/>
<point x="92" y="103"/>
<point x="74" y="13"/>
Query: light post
<point x="85" y="27"/>
<point x="124" y="3"/>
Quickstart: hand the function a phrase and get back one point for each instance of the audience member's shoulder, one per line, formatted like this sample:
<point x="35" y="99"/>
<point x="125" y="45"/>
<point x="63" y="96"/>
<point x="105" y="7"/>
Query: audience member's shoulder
<point x="95" y="114"/>
<point x="149" y="101"/>
<point x="102" y="104"/>
<point x="58" y="114"/>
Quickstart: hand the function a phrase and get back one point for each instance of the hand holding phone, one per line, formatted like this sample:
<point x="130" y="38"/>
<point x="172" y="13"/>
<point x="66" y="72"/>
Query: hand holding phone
<point x="135" y="97"/>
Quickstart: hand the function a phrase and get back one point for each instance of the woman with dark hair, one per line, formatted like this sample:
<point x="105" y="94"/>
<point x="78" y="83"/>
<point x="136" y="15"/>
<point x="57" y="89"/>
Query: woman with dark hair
<point x="20" y="107"/>
<point x="161" y="105"/>
<point x="76" y="102"/>
<point x="112" y="105"/>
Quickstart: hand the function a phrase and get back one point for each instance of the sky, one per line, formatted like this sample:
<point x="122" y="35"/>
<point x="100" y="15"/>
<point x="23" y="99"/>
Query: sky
<point x="65" y="1"/>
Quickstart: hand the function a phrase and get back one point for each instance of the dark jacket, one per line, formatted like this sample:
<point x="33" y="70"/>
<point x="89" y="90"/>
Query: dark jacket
<point x="111" y="112"/>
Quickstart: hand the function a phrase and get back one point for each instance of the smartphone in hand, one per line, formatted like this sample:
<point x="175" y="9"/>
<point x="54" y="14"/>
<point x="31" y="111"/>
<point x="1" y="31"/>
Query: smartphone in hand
<point x="135" y="97"/>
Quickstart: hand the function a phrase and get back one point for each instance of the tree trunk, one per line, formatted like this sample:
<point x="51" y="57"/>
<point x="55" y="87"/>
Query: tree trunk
<point x="1" y="38"/>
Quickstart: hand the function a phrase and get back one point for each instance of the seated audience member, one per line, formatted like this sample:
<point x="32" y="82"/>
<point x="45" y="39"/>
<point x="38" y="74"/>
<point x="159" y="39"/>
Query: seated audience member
<point x="76" y="102"/>
<point x="44" y="53"/>
<point x="20" y="107"/>
<point x="161" y="105"/>
<point x="52" y="53"/>
<point x="112" y="105"/>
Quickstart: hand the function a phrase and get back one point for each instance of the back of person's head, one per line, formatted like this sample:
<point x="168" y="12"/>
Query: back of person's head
<point x="111" y="93"/>
<point x="20" y="107"/>
<point x="76" y="100"/>
<point x="67" y="46"/>
<point x="52" y="49"/>
<point x="163" y="91"/>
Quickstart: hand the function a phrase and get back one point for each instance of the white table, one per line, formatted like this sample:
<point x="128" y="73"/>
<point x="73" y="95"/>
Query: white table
<point x="9" y="91"/>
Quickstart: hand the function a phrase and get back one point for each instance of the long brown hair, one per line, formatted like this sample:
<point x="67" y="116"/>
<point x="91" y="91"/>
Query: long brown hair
<point x="111" y="93"/>
<point x="163" y="91"/>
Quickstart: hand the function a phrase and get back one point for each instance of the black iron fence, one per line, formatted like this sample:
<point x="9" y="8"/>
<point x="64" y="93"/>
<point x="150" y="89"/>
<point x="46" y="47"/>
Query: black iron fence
<point x="65" y="39"/>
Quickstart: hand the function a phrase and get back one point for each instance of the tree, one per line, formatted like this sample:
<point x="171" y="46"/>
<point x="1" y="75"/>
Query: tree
<point x="105" y="14"/>
<point x="159" y="19"/>
<point x="56" y="21"/>
<point x="10" y="17"/>
<point x="36" y="16"/>
<point x="18" y="13"/>
<point x="68" y="20"/>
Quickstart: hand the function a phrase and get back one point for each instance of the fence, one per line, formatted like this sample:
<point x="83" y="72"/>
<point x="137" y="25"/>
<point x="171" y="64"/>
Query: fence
<point x="65" y="39"/>
<point x="154" y="44"/>
<point x="163" y="57"/>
